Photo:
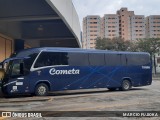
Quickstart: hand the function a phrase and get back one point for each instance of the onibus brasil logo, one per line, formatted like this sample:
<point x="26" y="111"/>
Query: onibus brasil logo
<point x="73" y="71"/>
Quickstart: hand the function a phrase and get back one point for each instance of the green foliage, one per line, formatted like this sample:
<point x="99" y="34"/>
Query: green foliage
<point x="151" y="45"/>
<point x="116" y="44"/>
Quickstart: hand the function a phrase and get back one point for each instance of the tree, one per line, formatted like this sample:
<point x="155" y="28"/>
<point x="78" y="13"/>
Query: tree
<point x="116" y="44"/>
<point x="120" y="44"/>
<point x="101" y="43"/>
<point x="151" y="45"/>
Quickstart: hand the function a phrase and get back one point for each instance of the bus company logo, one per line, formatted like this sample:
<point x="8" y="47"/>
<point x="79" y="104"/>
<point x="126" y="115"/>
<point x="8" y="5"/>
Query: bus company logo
<point x="53" y="71"/>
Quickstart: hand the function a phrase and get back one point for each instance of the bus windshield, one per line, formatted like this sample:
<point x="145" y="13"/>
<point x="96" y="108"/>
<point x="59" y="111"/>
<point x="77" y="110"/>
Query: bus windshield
<point x="12" y="68"/>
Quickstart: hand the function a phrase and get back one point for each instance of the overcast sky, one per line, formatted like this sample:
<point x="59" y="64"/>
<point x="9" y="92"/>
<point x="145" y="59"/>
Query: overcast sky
<point x="101" y="7"/>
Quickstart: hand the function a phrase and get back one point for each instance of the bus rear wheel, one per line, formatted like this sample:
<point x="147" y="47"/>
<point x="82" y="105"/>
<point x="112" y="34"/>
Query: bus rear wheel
<point x="41" y="90"/>
<point x="126" y="85"/>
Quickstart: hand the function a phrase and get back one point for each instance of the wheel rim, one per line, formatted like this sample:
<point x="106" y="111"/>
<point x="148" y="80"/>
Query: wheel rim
<point x="126" y="85"/>
<point x="41" y="90"/>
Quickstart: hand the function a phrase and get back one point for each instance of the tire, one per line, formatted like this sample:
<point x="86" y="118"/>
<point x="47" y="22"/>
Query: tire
<point x="41" y="90"/>
<point x="126" y="85"/>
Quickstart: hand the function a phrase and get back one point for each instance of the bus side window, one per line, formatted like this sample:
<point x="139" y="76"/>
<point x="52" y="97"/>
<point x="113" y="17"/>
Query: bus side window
<point x="51" y="59"/>
<point x="78" y="59"/>
<point x="137" y="59"/>
<point x="114" y="59"/>
<point x="16" y="68"/>
<point x="96" y="59"/>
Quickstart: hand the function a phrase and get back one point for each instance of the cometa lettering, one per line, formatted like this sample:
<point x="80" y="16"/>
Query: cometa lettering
<point x="53" y="71"/>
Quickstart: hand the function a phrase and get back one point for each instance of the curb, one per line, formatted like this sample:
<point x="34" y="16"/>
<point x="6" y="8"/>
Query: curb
<point x="33" y="99"/>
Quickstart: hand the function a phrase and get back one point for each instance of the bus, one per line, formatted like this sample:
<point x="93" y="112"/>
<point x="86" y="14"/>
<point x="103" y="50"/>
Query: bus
<point x="39" y="71"/>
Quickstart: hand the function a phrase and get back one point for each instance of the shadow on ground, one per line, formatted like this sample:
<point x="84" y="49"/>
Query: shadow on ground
<point x="73" y="92"/>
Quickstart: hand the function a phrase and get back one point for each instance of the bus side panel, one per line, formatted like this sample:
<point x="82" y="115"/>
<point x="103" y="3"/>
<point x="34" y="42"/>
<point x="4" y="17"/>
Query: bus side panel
<point x="139" y="76"/>
<point x="115" y="75"/>
<point x="139" y="69"/>
<point x="135" y="74"/>
<point x="73" y="77"/>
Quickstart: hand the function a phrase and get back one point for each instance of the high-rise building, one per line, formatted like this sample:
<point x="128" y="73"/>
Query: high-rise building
<point x="124" y="24"/>
<point x="91" y="30"/>
<point x="153" y="26"/>
<point x="110" y="26"/>
<point x="132" y="27"/>
<point x="137" y="27"/>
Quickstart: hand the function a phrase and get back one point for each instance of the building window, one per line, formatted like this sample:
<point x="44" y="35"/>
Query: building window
<point x="158" y="60"/>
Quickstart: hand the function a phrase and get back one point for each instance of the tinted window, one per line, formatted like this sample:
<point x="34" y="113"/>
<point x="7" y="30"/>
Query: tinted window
<point x="96" y="59"/>
<point x="15" y="68"/>
<point x="138" y="59"/>
<point x="78" y="59"/>
<point x="61" y="58"/>
<point x="115" y="59"/>
<point x="51" y="58"/>
<point x="29" y="61"/>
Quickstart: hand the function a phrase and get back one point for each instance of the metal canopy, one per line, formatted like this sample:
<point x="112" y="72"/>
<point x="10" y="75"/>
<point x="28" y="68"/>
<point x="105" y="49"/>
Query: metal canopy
<point x="34" y="20"/>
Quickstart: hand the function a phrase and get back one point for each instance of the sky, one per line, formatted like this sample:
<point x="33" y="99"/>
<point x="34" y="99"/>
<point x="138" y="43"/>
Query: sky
<point x="101" y="7"/>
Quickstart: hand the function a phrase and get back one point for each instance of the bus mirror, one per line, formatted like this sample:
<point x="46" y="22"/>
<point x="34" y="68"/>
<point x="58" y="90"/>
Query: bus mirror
<point x="21" y="68"/>
<point x="1" y="73"/>
<point x="1" y="66"/>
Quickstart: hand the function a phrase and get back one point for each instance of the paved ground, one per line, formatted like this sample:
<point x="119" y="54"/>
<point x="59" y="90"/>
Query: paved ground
<point x="138" y="99"/>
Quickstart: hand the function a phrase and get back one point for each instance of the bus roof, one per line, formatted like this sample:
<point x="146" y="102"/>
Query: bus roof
<point x="86" y="50"/>
<point x="61" y="49"/>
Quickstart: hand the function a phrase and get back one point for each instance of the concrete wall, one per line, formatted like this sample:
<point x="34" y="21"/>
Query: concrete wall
<point x="11" y="29"/>
<point x="65" y="9"/>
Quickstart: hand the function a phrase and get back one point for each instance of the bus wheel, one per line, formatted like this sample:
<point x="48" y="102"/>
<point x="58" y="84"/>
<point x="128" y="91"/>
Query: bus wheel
<point x="126" y="85"/>
<point x="41" y="90"/>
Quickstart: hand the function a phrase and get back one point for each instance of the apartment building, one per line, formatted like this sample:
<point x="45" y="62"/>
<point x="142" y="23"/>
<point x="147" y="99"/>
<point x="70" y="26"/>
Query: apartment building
<point x="132" y="27"/>
<point x="110" y="26"/>
<point x="91" y="30"/>
<point x="153" y="31"/>
<point x="137" y="27"/>
<point x="124" y="24"/>
<point x="153" y="26"/>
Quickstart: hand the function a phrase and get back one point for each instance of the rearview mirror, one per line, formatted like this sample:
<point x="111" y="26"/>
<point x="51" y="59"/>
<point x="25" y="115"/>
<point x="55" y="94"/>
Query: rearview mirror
<point x="1" y="66"/>
<point x="2" y="72"/>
